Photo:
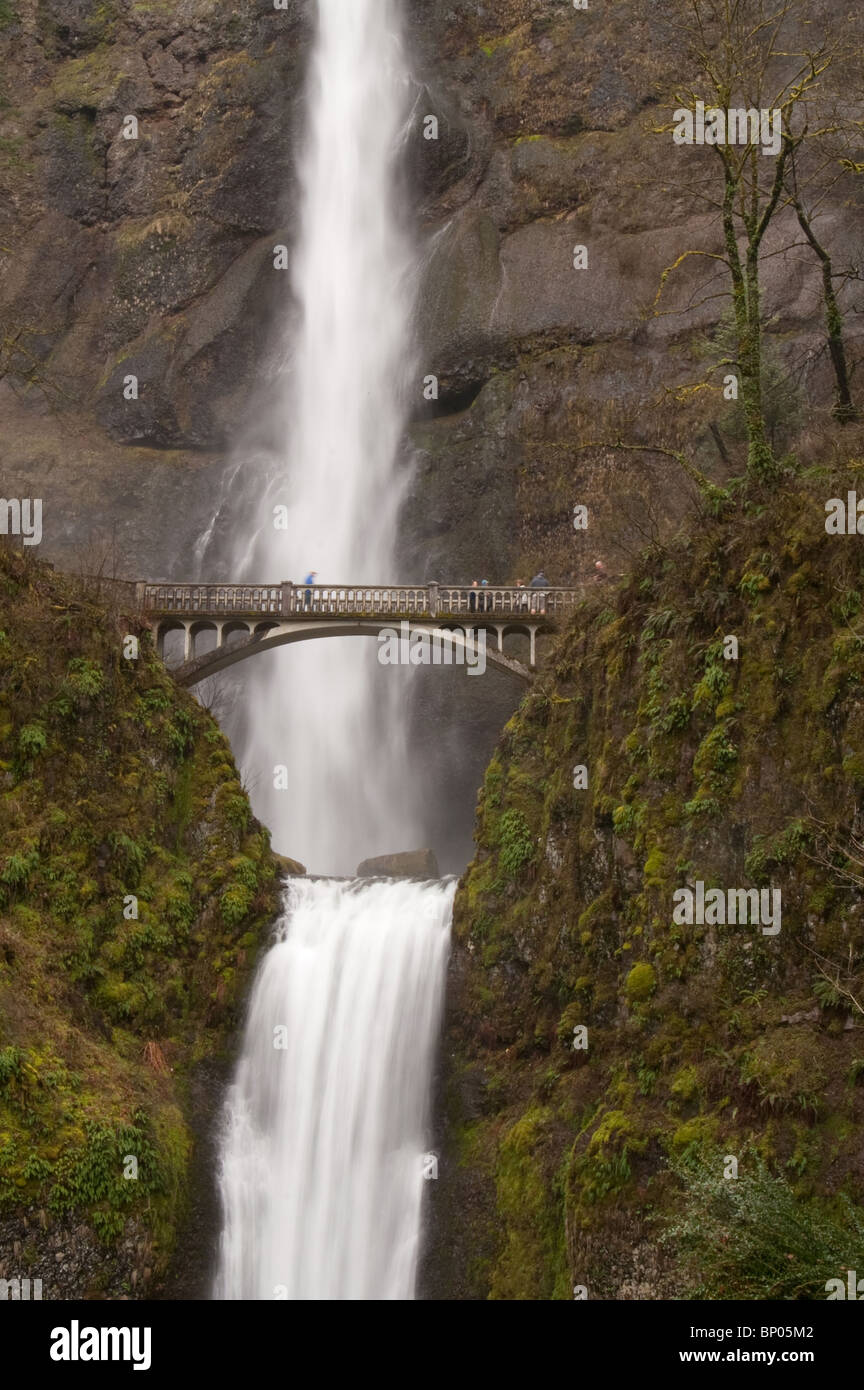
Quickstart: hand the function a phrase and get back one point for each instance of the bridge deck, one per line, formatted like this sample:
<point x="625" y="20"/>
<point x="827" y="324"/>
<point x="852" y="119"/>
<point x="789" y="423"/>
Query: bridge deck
<point x="317" y="601"/>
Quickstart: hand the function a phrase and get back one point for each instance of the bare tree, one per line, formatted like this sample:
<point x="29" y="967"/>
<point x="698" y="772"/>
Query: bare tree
<point x="753" y="96"/>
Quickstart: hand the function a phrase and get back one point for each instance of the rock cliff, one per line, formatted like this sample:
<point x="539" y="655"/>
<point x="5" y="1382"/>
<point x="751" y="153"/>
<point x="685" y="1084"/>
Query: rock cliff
<point x="153" y="257"/>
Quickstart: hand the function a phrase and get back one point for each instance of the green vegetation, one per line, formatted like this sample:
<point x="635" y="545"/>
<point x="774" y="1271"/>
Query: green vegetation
<point x="751" y="1237"/>
<point x="739" y="772"/>
<point x="134" y="886"/>
<point x="516" y="845"/>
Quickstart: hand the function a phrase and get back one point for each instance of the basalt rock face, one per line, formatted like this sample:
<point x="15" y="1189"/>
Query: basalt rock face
<point x="147" y="257"/>
<point x="153" y="258"/>
<point x="547" y="143"/>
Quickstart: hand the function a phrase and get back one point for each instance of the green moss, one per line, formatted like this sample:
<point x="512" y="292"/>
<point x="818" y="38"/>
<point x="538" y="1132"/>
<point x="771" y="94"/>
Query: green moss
<point x="532" y="1263"/>
<point x="694" y="1134"/>
<point x="685" y="1084"/>
<point x="91" y="81"/>
<point x="640" y="983"/>
<point x="114" y="805"/>
<point x="732" y="772"/>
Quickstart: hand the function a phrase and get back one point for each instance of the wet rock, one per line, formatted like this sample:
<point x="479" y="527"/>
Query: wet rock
<point x="415" y="863"/>
<point x="289" y="866"/>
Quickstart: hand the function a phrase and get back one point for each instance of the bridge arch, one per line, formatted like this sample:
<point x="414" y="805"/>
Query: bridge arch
<point x="267" y="637"/>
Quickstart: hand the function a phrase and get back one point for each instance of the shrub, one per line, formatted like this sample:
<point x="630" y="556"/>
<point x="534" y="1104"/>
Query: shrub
<point x="32" y="740"/>
<point x="84" y="679"/>
<point x="749" y="1237"/>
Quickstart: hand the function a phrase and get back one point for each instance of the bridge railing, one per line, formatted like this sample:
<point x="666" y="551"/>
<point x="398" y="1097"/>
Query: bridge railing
<point x="509" y="601"/>
<point x="287" y="600"/>
<point x="189" y="599"/>
<point x="380" y="598"/>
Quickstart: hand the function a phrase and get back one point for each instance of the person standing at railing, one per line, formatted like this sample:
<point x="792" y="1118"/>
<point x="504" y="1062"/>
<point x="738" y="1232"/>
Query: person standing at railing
<point x="539" y="582"/>
<point x="485" y="599"/>
<point x="309" y="580"/>
<point x="474" y="597"/>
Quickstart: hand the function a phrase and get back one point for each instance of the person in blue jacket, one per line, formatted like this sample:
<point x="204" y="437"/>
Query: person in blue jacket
<point x="310" y="579"/>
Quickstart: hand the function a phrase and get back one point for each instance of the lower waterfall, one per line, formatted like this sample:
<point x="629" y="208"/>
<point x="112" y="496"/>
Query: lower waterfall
<point x="324" y="1158"/>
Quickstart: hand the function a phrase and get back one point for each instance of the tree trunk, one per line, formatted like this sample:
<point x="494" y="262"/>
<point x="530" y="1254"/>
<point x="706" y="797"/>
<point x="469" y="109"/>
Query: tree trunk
<point x="844" y="408"/>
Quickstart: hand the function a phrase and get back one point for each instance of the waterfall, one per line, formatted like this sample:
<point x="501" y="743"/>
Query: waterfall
<point x="322" y="1166"/>
<point x="347" y="363"/>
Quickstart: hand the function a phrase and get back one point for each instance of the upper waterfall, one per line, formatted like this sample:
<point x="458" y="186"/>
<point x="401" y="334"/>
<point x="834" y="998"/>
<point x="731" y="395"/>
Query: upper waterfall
<point x="347" y="362"/>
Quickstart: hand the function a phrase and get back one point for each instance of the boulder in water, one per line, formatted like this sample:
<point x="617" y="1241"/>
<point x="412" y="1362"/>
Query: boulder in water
<point x="411" y="863"/>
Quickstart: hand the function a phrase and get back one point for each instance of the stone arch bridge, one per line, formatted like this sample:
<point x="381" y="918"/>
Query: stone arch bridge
<point x="252" y="618"/>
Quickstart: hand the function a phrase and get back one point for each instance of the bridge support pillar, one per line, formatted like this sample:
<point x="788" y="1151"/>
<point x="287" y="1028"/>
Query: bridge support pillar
<point x="500" y="632"/>
<point x="532" y="631"/>
<point x="188" y="644"/>
<point x="220" y="628"/>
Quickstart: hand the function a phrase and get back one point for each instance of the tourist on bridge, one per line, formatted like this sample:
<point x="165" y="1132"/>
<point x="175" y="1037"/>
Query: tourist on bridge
<point x="539" y="582"/>
<point x="310" y="579"/>
<point x="473" y="597"/>
<point x="485" y="599"/>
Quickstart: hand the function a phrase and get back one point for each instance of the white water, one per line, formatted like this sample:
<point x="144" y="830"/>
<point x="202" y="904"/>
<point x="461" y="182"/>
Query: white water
<point x="326" y="709"/>
<point x="322" y="1172"/>
<point x="323" y="1164"/>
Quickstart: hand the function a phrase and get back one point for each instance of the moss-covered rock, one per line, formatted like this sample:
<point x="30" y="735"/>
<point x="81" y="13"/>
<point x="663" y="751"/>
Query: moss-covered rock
<point x="134" y="888"/>
<point x="705" y="1043"/>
